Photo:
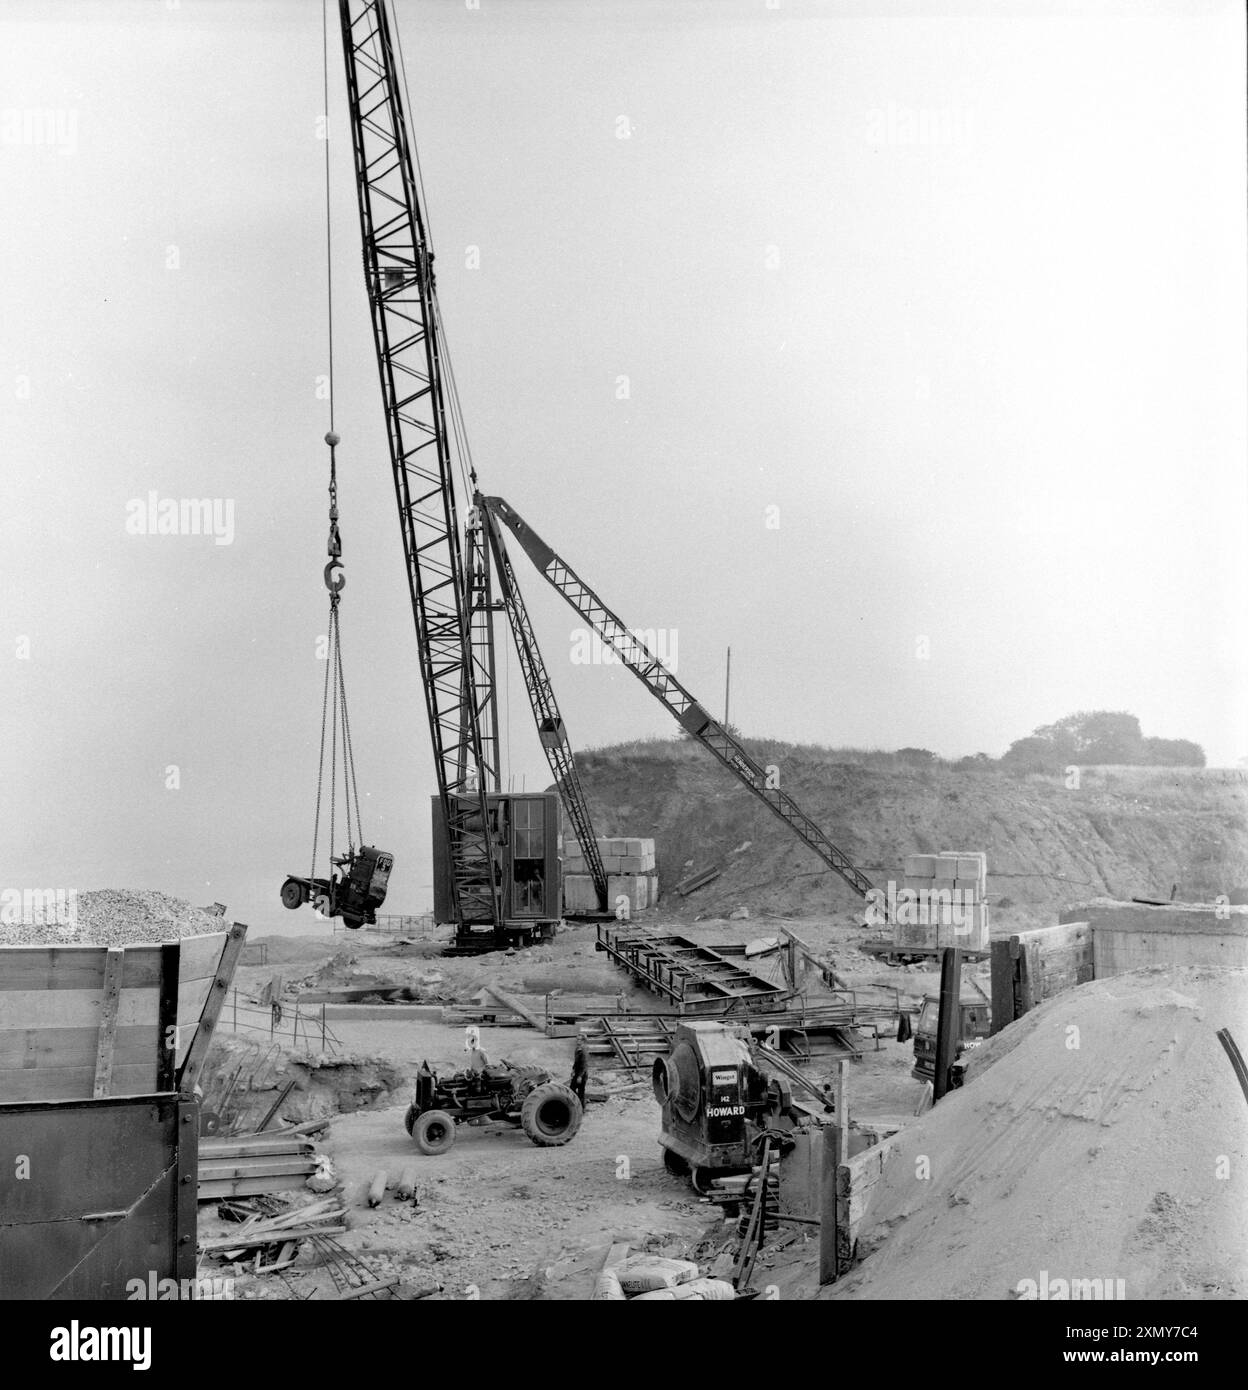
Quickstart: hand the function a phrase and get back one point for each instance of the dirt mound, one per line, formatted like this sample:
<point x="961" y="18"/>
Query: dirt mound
<point x="1103" y="1136"/>
<point x="1123" y="832"/>
<point x="106" y="917"/>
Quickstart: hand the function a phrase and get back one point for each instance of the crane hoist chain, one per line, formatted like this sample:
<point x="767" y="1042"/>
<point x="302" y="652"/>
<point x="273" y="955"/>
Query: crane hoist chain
<point x="334" y="715"/>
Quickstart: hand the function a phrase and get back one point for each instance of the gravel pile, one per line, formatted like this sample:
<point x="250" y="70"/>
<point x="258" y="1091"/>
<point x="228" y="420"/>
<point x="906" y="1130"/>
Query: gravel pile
<point x="104" y="917"/>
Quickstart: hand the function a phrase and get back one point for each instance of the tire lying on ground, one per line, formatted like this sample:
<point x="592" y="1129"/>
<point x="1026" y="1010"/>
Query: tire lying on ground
<point x="433" y="1131"/>
<point x="550" y="1115"/>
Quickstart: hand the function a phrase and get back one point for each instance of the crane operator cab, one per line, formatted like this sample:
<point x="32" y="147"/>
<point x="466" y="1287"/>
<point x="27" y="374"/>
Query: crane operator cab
<point x="354" y="892"/>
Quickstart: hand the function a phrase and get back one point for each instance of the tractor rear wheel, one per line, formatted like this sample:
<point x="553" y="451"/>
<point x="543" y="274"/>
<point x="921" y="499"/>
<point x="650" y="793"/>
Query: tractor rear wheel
<point x="551" y="1115"/>
<point x="292" y="894"/>
<point x="433" y="1131"/>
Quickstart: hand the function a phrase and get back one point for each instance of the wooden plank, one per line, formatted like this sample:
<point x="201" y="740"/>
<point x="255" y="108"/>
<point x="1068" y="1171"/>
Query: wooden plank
<point x="1003" y="974"/>
<point x="28" y="1048"/>
<point x="109" y="1000"/>
<point x="264" y="1234"/>
<point x="74" y="967"/>
<point x="857" y="1179"/>
<point x="191" y="1000"/>
<point x="828" y="1261"/>
<point x="167" y="1017"/>
<point x="271" y="1167"/>
<point x="210" y="1149"/>
<point x="364" y="1290"/>
<point x="74" y="1083"/>
<point x="517" y="1007"/>
<point x="192" y="1063"/>
<point x="217" y="1188"/>
<point x="73" y="1008"/>
<point x="201" y="956"/>
<point x="82" y="967"/>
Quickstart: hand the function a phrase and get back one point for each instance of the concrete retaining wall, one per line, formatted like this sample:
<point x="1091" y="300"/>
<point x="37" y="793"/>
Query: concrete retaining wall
<point x="1127" y="936"/>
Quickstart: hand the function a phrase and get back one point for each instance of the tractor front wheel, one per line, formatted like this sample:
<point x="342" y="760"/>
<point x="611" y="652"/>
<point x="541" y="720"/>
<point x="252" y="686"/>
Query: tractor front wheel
<point x="551" y="1115"/>
<point x="433" y="1131"/>
<point x="292" y="894"/>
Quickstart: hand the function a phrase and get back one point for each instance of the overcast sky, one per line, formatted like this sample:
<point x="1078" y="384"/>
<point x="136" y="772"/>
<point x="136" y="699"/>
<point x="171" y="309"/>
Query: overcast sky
<point x="957" y="299"/>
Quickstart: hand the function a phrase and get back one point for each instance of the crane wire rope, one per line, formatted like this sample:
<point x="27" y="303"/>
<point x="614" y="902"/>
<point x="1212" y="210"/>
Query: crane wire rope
<point x="334" y="712"/>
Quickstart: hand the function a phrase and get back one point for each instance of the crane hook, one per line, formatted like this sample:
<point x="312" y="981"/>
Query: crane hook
<point x="335" y="583"/>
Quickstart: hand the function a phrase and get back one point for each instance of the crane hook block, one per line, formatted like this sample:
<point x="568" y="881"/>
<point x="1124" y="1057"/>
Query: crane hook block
<point x="335" y="583"/>
<point x="332" y="439"/>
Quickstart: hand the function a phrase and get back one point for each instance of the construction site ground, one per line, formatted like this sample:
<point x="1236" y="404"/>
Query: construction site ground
<point x="497" y="1217"/>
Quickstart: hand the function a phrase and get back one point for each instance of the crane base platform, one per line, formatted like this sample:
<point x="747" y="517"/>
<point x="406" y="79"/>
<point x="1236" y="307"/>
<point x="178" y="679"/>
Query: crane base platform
<point x="516" y="937"/>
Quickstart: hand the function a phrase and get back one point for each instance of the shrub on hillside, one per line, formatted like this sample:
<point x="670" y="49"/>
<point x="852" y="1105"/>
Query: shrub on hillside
<point x="1097" y="737"/>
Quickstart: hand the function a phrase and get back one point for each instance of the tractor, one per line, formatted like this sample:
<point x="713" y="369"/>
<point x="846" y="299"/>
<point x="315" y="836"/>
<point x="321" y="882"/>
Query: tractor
<point x="549" y="1112"/>
<point x="354" y="893"/>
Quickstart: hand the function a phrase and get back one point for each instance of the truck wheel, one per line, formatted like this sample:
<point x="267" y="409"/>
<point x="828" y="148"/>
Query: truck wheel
<point x="292" y="894"/>
<point x="433" y="1131"/>
<point x="551" y="1115"/>
<point x="355" y="923"/>
<point x="677" y="1166"/>
<point x="410" y="1118"/>
<point x="700" y="1179"/>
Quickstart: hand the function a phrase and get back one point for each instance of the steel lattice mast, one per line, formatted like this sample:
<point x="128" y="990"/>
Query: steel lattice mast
<point x="550" y="727"/>
<point x="399" y="277"/>
<point x="481" y="677"/>
<point x="660" y="682"/>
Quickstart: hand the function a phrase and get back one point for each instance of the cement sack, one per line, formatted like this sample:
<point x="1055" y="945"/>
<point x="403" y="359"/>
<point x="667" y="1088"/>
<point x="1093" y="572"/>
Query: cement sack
<point x="607" y="1288"/>
<point x="696" y="1290"/>
<point x="645" y="1273"/>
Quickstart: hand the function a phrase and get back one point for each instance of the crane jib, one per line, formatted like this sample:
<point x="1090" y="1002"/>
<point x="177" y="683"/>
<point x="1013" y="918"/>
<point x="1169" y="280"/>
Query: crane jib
<point x="689" y="713"/>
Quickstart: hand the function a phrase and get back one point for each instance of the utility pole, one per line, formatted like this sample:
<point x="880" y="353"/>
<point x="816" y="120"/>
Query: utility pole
<point x="727" y="685"/>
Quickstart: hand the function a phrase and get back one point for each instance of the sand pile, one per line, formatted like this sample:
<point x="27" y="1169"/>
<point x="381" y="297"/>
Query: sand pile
<point x="1102" y="1136"/>
<point x="103" y="917"/>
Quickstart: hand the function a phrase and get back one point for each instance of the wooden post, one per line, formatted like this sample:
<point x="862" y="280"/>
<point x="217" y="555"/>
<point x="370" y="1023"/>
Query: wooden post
<point x="167" y="1016"/>
<point x="842" y="1111"/>
<point x="835" y="1139"/>
<point x="949" y="1026"/>
<point x="105" y="1041"/>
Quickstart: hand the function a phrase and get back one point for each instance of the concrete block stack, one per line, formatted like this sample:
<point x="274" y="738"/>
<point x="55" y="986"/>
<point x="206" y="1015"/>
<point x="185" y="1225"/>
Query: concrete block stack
<point x="956" y="879"/>
<point x="629" y="865"/>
